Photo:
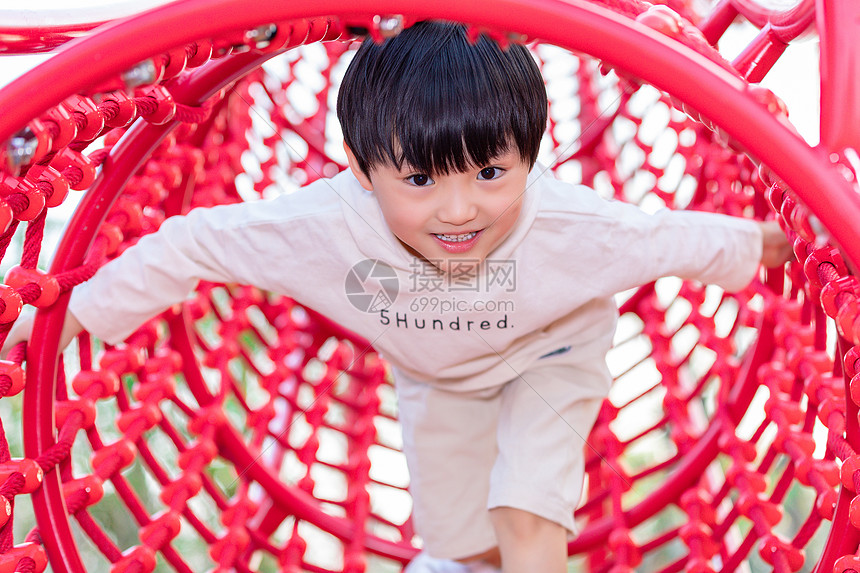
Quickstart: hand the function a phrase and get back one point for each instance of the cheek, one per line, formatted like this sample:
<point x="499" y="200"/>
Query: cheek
<point x="402" y="221"/>
<point x="401" y="226"/>
<point x="507" y="214"/>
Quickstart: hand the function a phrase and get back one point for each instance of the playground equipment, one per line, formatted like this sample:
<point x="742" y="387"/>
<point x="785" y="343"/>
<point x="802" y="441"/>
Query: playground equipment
<point x="243" y="432"/>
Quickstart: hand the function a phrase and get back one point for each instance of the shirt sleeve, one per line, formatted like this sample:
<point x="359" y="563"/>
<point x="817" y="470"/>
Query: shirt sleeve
<point x="247" y="243"/>
<point x="149" y="277"/>
<point x="708" y="247"/>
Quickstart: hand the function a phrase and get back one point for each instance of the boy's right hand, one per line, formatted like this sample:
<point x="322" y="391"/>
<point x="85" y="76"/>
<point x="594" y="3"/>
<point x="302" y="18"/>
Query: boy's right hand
<point x="776" y="249"/>
<point x="23" y="328"/>
<point x="20" y="332"/>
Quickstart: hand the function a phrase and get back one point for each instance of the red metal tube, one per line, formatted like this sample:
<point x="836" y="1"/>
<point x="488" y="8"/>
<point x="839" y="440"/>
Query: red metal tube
<point x="787" y="24"/>
<point x="838" y="23"/>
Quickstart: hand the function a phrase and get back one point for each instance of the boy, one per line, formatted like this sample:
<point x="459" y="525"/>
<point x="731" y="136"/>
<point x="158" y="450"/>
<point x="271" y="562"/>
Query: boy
<point x="498" y="392"/>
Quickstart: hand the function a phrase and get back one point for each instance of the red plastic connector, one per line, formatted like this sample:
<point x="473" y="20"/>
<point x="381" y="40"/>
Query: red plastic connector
<point x="126" y="110"/>
<point x="64" y="130"/>
<point x="89" y="120"/>
<point x="12" y="304"/>
<point x="113" y="458"/>
<point x="13" y="372"/>
<point x="96" y="383"/>
<point x="164" y="106"/>
<point x="28" y="468"/>
<point x="71" y="158"/>
<point x="59" y="186"/>
<point x="89" y="486"/>
<point x="10" y="559"/>
<point x="18" y="277"/>
<point x="140" y="559"/>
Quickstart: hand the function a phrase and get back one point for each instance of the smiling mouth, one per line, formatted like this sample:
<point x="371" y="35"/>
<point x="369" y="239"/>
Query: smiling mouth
<point x="456" y="238"/>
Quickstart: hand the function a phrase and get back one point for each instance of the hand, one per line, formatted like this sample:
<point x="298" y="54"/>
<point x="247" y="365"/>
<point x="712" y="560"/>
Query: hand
<point x="776" y="250"/>
<point x="20" y="332"/>
<point x="23" y="328"/>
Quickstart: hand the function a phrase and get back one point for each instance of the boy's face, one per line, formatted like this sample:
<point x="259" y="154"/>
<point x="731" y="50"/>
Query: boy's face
<point x="456" y="218"/>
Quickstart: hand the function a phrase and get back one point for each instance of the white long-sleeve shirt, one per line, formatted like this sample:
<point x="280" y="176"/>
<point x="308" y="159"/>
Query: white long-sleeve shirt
<point x="549" y="284"/>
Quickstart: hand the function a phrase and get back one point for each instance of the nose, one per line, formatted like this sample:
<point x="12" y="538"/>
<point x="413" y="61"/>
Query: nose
<point x="457" y="205"/>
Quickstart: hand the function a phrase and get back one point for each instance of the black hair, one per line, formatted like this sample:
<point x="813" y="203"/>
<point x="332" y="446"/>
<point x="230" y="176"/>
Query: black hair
<point x="439" y="103"/>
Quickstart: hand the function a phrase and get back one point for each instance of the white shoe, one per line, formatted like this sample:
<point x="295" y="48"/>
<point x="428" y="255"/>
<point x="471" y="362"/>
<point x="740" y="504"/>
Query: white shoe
<point x="423" y="563"/>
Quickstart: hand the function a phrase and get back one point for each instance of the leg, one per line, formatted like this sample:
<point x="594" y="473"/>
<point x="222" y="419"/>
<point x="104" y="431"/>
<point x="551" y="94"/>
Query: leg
<point x="449" y="440"/>
<point x="547" y="414"/>
<point x="493" y="557"/>
<point x="529" y="542"/>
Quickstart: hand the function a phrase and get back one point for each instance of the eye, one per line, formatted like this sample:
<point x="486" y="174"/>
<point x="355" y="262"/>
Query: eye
<point x="419" y="180"/>
<point x="488" y="173"/>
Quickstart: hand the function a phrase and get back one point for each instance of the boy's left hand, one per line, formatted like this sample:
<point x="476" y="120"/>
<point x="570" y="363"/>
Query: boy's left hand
<point x="776" y="250"/>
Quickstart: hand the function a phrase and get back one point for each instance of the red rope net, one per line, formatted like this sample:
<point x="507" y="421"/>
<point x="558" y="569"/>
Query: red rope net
<point x="244" y="432"/>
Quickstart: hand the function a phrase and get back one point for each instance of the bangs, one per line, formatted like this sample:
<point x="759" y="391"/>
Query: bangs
<point x="438" y="104"/>
<point x="453" y="135"/>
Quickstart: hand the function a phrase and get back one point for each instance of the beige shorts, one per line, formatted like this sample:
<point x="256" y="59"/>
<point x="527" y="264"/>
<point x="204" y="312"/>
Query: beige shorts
<point x="516" y="445"/>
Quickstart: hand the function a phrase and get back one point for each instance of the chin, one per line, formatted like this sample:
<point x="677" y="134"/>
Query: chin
<point x="461" y="262"/>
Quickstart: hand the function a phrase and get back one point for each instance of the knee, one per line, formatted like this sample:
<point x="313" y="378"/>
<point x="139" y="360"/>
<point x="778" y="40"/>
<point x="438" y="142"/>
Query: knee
<point x="510" y="522"/>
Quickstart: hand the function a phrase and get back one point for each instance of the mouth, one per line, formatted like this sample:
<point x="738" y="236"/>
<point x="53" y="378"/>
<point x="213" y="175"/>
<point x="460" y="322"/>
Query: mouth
<point x="456" y="238"/>
<point x="457" y="243"/>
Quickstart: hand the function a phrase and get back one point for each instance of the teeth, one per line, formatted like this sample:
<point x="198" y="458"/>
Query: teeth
<point x="457" y="238"/>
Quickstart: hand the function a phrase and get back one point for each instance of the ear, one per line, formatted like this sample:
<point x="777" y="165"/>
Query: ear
<point x="363" y="179"/>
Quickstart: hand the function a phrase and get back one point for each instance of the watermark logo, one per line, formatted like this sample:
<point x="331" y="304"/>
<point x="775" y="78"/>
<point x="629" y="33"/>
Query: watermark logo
<point x="371" y="285"/>
<point x="464" y="275"/>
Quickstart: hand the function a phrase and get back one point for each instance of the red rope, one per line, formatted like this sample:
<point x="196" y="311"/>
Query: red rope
<point x="33" y="241"/>
<point x="190" y="114"/>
